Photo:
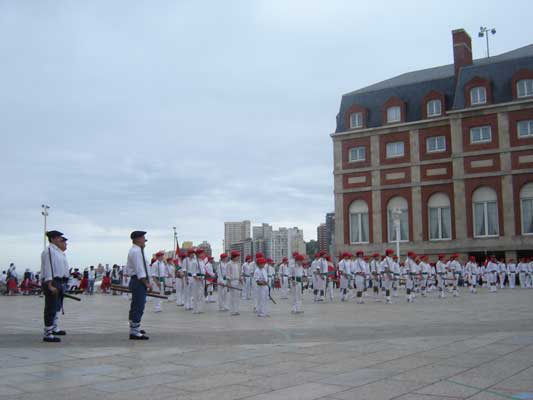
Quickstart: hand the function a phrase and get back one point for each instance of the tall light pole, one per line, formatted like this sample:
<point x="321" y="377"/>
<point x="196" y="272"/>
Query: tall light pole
<point x="484" y="31"/>
<point x="44" y="213"/>
<point x="175" y="239"/>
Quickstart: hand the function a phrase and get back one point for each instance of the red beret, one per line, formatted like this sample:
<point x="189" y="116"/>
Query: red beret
<point x="441" y="256"/>
<point x="259" y="255"/>
<point x="411" y="254"/>
<point x="210" y="258"/>
<point x="190" y="251"/>
<point x="375" y="255"/>
<point x="472" y="258"/>
<point x="424" y="257"/>
<point x="360" y="252"/>
<point x="294" y="253"/>
<point x="248" y="258"/>
<point x="170" y="258"/>
<point x="235" y="253"/>
<point x="200" y="251"/>
<point x="389" y="251"/>
<point x="284" y="259"/>
<point x="260" y="261"/>
<point x="160" y="253"/>
<point x="269" y="261"/>
<point x="223" y="255"/>
<point x="298" y="257"/>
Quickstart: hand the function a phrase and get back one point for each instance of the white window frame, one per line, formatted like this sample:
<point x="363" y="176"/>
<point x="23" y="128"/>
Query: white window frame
<point x="431" y="109"/>
<point x="435" y="138"/>
<point x="357" y="151"/>
<point x="359" y="214"/>
<point x="525" y="86"/>
<point x="472" y="141"/>
<point x="529" y="124"/>
<point x="359" y="217"/>
<point x="358" y="120"/>
<point x="486" y="219"/>
<point x="397" y="116"/>
<point x="475" y="95"/>
<point x="439" y="209"/>
<point x="522" y="216"/>
<point x="388" y="155"/>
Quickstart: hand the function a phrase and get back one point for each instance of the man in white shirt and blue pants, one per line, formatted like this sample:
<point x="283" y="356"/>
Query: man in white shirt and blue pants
<point x="139" y="284"/>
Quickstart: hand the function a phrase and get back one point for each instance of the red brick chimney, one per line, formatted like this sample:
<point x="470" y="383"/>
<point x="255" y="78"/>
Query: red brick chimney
<point x="462" y="49"/>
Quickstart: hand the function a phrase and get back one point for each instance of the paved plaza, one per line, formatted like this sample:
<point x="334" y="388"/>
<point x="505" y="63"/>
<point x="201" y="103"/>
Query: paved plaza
<point x="477" y="347"/>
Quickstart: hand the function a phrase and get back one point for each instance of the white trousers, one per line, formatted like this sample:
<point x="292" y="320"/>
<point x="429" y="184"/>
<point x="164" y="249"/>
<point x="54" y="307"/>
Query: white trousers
<point x="234" y="296"/>
<point x="296" y="296"/>
<point x="187" y="292"/>
<point x="198" y="295"/>
<point x="262" y="298"/>
<point x="179" y="291"/>
<point x="284" y="287"/>
<point x="222" y="299"/>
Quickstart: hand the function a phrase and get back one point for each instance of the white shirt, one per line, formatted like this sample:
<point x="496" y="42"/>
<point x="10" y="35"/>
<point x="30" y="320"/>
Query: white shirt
<point x="260" y="275"/>
<point x="344" y="267"/>
<point x="59" y="263"/>
<point x="222" y="271"/>
<point x="209" y="272"/>
<point x="159" y="269"/>
<point x="512" y="268"/>
<point x="359" y="268"/>
<point x="284" y="270"/>
<point x="233" y="271"/>
<point x="136" y="264"/>
<point x="296" y="271"/>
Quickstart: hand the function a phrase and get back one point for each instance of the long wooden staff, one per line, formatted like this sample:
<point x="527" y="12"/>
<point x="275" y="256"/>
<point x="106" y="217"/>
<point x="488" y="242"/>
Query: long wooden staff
<point x="126" y="290"/>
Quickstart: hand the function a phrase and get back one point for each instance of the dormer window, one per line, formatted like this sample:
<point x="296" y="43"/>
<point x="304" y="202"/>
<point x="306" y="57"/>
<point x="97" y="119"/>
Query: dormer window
<point x="524" y="88"/>
<point x="394" y="114"/>
<point x="434" y="108"/>
<point x="478" y="95"/>
<point x="356" y="120"/>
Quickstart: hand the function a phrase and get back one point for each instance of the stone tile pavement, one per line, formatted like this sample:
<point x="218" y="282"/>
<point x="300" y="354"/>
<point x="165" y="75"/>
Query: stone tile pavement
<point x="472" y="347"/>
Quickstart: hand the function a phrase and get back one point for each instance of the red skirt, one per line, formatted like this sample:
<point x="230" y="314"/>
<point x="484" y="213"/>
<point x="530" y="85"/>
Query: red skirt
<point x="83" y="284"/>
<point x="12" y="284"/>
<point x="106" y="283"/>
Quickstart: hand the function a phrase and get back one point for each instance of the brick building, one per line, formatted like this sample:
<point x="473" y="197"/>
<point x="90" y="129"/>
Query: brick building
<point x="449" y="149"/>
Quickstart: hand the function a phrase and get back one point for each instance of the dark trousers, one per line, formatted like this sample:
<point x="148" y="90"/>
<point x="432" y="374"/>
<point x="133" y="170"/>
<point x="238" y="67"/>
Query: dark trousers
<point x="138" y="300"/>
<point x="52" y="303"/>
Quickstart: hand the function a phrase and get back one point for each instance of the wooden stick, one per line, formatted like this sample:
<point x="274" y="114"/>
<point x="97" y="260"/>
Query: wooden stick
<point x="149" y="294"/>
<point x="69" y="296"/>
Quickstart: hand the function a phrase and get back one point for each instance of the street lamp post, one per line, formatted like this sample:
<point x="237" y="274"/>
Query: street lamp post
<point x="175" y="238"/>
<point x="44" y="213"/>
<point x="484" y="31"/>
<point x="396" y="218"/>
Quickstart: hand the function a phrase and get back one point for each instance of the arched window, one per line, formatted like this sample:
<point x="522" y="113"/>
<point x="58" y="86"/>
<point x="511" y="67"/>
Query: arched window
<point x="397" y="209"/>
<point x="359" y="222"/>
<point x="440" y="222"/>
<point x="485" y="209"/>
<point x="524" y="88"/>
<point x="478" y="95"/>
<point x="434" y="108"/>
<point x="526" y="204"/>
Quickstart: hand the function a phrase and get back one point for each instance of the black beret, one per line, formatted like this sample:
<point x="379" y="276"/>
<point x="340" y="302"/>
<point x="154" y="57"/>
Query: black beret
<point x="53" y="234"/>
<point x="137" y="234"/>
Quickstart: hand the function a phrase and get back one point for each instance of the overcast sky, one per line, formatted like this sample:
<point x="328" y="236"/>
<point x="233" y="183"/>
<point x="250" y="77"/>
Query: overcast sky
<point x="126" y="115"/>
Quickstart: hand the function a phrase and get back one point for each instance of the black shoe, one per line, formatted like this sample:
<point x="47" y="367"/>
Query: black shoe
<point x="142" y="331"/>
<point x="51" y="339"/>
<point x="59" y="333"/>
<point x="140" y="337"/>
